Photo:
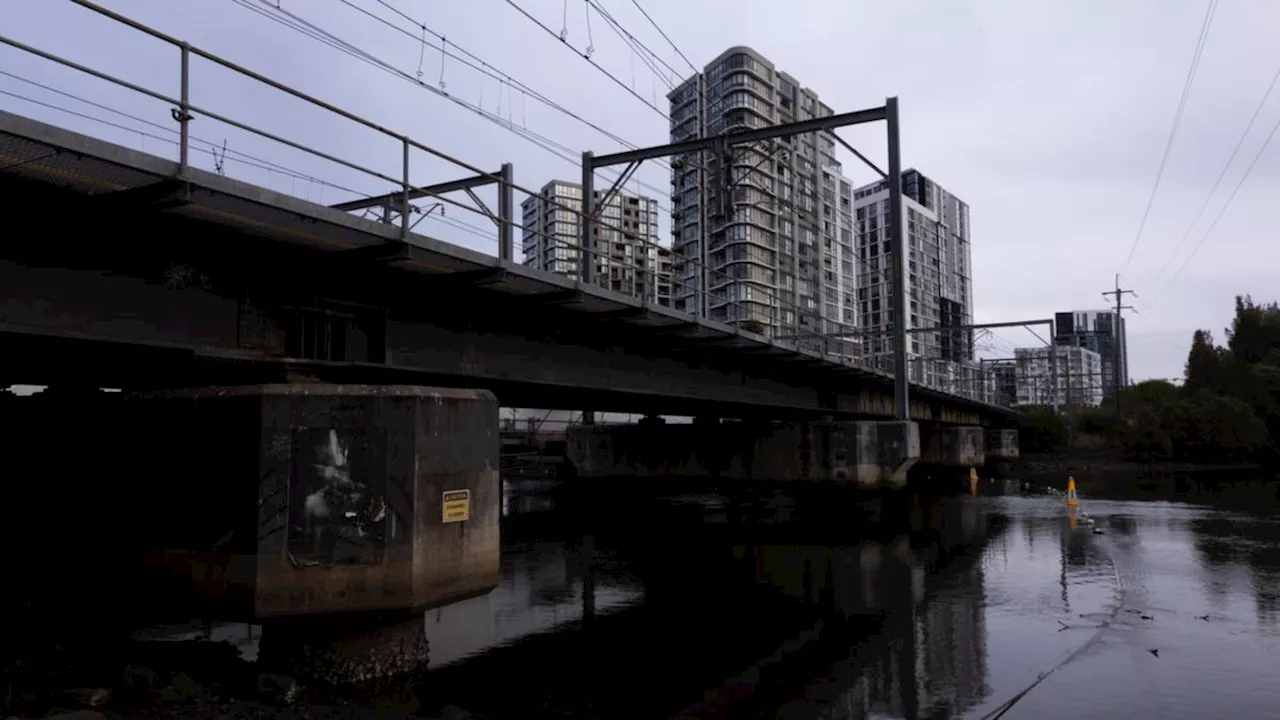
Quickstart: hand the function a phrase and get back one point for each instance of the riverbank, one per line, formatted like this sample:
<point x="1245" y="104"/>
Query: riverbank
<point x="1105" y="469"/>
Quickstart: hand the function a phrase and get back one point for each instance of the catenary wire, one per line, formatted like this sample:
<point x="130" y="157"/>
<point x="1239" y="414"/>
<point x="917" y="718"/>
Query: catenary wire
<point x="1173" y="130"/>
<point x="664" y="35"/>
<point x="1222" y="211"/>
<point x="310" y="30"/>
<point x="586" y="56"/>
<point x="1205" y="205"/>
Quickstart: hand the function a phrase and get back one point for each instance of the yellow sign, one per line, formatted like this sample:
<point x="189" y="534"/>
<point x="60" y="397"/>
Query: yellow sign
<point x="456" y="505"/>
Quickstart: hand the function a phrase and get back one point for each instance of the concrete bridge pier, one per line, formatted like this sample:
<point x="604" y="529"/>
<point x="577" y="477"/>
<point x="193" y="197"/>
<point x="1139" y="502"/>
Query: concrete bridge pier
<point x="326" y="513"/>
<point x="949" y="452"/>
<point x="962" y="446"/>
<point x="866" y="454"/>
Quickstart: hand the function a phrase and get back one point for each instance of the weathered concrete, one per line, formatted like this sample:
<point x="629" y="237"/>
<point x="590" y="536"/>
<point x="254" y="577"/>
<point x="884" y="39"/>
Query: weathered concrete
<point x="866" y="453"/>
<point x="346" y="513"/>
<point x="962" y="446"/>
<point x="1001" y="443"/>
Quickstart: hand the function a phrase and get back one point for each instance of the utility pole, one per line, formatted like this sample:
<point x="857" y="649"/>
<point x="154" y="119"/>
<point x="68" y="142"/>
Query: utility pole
<point x="1117" y="335"/>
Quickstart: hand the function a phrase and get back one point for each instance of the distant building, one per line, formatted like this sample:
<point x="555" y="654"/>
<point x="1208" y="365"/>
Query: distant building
<point x="1079" y="377"/>
<point x="1002" y="377"/>
<point x="763" y="236"/>
<point x="939" y="274"/>
<point x="629" y="262"/>
<point x="1101" y="332"/>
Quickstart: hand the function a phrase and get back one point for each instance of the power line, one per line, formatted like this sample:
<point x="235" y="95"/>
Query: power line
<point x="237" y="156"/>
<point x="586" y="56"/>
<point x="484" y="67"/>
<point x="1221" y="175"/>
<point x="636" y="45"/>
<point x="664" y="35"/>
<point x="315" y="32"/>
<point x="1177" y="121"/>
<point x="1221" y="212"/>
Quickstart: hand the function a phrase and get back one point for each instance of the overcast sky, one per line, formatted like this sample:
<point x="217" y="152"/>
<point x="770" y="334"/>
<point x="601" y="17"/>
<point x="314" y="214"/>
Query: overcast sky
<point x="1048" y="118"/>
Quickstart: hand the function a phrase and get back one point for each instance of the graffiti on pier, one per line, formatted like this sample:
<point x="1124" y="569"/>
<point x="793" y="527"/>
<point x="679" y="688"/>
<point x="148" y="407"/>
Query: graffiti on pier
<point x="337" y="497"/>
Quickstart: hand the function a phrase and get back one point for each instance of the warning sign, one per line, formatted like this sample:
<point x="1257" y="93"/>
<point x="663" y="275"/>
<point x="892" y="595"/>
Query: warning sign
<point x="456" y="505"/>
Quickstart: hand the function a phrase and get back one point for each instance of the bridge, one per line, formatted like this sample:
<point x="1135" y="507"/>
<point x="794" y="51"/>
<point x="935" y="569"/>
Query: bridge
<point x="304" y="336"/>
<point x="99" y="291"/>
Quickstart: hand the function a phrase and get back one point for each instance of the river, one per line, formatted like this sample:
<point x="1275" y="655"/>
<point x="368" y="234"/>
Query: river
<point x="693" y="603"/>
<point x="682" y="599"/>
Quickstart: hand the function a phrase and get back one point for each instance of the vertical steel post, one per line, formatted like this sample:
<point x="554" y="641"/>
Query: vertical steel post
<point x="1115" y="344"/>
<point x="1053" y="374"/>
<point x="184" y="111"/>
<point x="506" y="209"/>
<point x="586" y="253"/>
<point x="404" y="199"/>
<point x="898" y="238"/>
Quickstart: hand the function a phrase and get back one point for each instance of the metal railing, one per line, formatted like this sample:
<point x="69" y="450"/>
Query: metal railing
<point x="184" y="110"/>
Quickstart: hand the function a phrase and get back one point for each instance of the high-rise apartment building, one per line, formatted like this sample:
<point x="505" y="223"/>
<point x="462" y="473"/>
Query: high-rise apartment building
<point x="628" y="259"/>
<point x="1077" y="381"/>
<point x="1100" y="331"/>
<point x="762" y="235"/>
<point x="939" y="273"/>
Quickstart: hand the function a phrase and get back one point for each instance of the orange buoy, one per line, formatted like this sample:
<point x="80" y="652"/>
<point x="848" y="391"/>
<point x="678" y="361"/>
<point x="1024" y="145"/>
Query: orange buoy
<point x="1072" y="499"/>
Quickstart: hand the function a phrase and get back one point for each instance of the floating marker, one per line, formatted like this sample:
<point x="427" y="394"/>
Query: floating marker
<point x="1072" y="500"/>
<point x="973" y="481"/>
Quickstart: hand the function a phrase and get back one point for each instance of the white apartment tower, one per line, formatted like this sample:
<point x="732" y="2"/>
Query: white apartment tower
<point x="939" y="272"/>
<point x="763" y="235"/>
<point x="1079" y="377"/>
<point x="628" y="260"/>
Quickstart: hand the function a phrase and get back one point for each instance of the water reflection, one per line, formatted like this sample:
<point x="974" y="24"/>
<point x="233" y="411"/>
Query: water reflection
<point x="635" y="601"/>
<point x="724" y="604"/>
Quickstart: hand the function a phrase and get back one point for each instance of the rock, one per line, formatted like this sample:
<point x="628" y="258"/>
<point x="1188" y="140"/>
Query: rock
<point x="139" y="678"/>
<point x="278" y="688"/>
<point x="94" y="697"/>
<point x="78" y="715"/>
<point x="181" y="689"/>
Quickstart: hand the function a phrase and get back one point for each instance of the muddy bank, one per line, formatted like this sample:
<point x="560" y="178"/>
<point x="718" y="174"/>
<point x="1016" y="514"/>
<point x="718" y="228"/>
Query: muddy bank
<point x="199" y="679"/>
<point x="1100" y="469"/>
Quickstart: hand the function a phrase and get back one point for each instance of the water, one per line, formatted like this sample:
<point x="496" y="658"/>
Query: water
<point x="696" y="603"/>
<point x="650" y="600"/>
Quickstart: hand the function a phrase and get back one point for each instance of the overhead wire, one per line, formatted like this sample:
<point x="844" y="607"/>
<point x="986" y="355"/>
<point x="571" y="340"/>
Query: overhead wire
<point x="586" y="56"/>
<point x="636" y="44"/>
<point x="1221" y="175"/>
<point x="1210" y="10"/>
<point x="237" y="156"/>
<point x="484" y="66"/>
<point x="1222" y="211"/>
<point x="313" y="31"/>
<point x="664" y="35"/>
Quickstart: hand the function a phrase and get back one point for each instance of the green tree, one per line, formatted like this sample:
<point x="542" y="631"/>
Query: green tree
<point x="1255" y="331"/>
<point x="1042" y="430"/>
<point x="1205" y="364"/>
<point x="1209" y="427"/>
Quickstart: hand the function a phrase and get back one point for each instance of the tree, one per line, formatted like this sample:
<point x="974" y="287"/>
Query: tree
<point x="1041" y="429"/>
<point x="1209" y="427"/>
<point x="1205" y="364"/>
<point x="1154" y="395"/>
<point x="1255" y="330"/>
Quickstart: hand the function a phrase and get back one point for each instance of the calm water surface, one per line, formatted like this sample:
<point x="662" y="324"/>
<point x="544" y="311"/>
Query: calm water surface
<point x="760" y="604"/>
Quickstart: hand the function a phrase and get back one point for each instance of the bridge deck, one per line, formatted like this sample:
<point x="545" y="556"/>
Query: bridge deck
<point x="44" y="155"/>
